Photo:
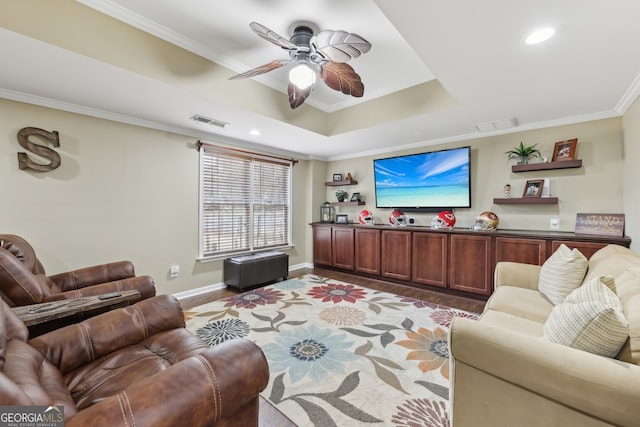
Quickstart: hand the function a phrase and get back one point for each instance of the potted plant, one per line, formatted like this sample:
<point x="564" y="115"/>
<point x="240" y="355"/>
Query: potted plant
<point x="523" y="153"/>
<point x="341" y="195"/>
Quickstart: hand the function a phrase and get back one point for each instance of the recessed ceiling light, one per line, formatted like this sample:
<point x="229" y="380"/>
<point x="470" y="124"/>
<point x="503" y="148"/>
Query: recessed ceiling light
<point x="255" y="132"/>
<point x="538" y="36"/>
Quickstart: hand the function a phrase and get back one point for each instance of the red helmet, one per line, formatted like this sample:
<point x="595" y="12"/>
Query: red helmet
<point x="397" y="218"/>
<point x="445" y="219"/>
<point x="490" y="219"/>
<point x="365" y="217"/>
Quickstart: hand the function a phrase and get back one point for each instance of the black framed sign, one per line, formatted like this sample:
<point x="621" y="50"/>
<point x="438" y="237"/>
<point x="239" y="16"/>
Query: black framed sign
<point x="342" y="219"/>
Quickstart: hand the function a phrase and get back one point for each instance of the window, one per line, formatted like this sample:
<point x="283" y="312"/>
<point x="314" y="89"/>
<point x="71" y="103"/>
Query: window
<point x="245" y="201"/>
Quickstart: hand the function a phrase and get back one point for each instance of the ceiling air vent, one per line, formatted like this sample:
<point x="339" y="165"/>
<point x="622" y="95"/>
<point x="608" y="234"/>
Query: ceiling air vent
<point x="209" y="121"/>
<point x="497" y="125"/>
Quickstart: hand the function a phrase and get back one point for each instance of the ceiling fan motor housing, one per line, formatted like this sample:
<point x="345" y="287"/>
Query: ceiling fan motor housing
<point x="301" y="36"/>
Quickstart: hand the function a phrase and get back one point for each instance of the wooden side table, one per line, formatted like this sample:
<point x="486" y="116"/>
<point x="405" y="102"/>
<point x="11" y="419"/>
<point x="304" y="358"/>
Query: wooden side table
<point x="35" y="314"/>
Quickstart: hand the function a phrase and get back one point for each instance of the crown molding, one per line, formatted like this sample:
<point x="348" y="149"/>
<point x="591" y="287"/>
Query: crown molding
<point x="135" y="121"/>
<point x="629" y="96"/>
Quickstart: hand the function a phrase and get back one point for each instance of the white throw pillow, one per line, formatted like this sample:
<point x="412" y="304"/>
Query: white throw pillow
<point x="561" y="273"/>
<point x="590" y="319"/>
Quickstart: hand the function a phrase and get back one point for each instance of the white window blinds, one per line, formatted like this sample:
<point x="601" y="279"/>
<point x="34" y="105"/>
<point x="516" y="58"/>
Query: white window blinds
<point x="245" y="201"/>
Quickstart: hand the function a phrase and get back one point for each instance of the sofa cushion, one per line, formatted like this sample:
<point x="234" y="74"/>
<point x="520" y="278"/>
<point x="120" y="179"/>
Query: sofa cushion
<point x="628" y="284"/>
<point x="590" y="319"/>
<point x="526" y="303"/>
<point x="513" y="323"/>
<point x="612" y="260"/>
<point x="561" y="273"/>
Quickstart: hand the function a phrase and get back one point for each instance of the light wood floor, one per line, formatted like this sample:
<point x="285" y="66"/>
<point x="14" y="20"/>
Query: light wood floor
<point x="271" y="417"/>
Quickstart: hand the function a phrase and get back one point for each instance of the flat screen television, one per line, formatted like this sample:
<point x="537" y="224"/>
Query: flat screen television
<point x="430" y="181"/>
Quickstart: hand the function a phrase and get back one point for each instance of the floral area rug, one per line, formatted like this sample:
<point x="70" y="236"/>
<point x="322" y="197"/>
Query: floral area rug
<point x="341" y="354"/>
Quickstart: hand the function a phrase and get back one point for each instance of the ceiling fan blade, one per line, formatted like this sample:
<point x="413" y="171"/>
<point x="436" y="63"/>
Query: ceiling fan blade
<point x="297" y="96"/>
<point x="339" y="46"/>
<point x="272" y="37"/>
<point x="342" y="77"/>
<point x="273" y="65"/>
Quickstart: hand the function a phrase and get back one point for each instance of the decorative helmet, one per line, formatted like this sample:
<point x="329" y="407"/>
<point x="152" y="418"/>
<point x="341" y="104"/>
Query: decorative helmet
<point x="490" y="219"/>
<point x="365" y="217"/>
<point x="397" y="218"/>
<point x="445" y="219"/>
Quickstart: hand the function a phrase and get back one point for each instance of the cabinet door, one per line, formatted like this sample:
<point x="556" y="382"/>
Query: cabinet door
<point x="528" y="251"/>
<point x="342" y="247"/>
<point x="587" y="248"/>
<point x="367" y="248"/>
<point x="429" y="262"/>
<point x="322" y="245"/>
<point x="396" y="254"/>
<point x="470" y="268"/>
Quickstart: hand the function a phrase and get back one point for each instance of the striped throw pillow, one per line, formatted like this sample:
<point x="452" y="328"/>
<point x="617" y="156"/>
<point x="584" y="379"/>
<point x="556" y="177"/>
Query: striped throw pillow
<point x="561" y="273"/>
<point x="590" y="319"/>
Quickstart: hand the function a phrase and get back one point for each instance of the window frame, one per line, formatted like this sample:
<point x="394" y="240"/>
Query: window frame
<point x="206" y="150"/>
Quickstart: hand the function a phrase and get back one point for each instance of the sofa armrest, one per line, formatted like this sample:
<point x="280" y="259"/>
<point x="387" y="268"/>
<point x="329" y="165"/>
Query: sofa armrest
<point x="223" y="382"/>
<point x="516" y="274"/>
<point x="88" y="276"/>
<point x="143" y="284"/>
<point x="17" y="283"/>
<point x="605" y="389"/>
<point x="81" y="343"/>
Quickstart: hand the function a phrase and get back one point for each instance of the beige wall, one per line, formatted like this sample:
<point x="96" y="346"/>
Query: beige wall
<point x="596" y="187"/>
<point x="122" y="192"/>
<point x="128" y="192"/>
<point x="631" y="173"/>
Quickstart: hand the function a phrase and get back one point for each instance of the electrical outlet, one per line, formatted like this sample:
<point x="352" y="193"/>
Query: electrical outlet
<point x="174" y="270"/>
<point x="554" y="224"/>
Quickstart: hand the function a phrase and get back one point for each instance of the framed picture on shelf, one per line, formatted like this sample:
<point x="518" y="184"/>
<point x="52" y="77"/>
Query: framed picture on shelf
<point x="533" y="188"/>
<point x="337" y="177"/>
<point x="355" y="197"/>
<point x="565" y="150"/>
<point x="342" y="219"/>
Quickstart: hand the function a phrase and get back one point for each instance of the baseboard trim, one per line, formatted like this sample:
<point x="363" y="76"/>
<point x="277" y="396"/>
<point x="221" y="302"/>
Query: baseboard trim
<point x="221" y="285"/>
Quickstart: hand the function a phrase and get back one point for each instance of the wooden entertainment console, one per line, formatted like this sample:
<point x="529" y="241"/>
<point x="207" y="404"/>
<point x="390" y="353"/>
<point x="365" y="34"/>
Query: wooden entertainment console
<point x="457" y="261"/>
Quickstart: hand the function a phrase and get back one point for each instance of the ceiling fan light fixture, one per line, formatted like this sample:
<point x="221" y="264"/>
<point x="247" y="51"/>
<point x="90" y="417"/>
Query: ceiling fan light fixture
<point x="312" y="56"/>
<point x="302" y="76"/>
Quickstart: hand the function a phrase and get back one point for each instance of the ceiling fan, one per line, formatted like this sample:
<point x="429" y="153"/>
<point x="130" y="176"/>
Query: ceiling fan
<point x="324" y="54"/>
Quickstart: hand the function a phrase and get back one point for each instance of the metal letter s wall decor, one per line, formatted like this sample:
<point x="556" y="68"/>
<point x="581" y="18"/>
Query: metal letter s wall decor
<point x="25" y="162"/>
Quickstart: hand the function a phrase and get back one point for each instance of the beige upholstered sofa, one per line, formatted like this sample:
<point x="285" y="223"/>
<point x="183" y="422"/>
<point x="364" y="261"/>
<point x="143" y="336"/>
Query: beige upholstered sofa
<point x="505" y="372"/>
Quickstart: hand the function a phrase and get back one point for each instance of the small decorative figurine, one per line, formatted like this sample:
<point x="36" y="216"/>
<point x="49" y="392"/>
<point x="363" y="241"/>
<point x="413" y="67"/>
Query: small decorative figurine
<point x="349" y="177"/>
<point x="507" y="191"/>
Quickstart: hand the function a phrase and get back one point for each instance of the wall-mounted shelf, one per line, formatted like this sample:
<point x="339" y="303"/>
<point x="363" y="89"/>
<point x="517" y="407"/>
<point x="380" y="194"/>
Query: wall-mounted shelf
<point x="527" y="201"/>
<point x="343" y="182"/>
<point x="565" y="164"/>
<point x="358" y="203"/>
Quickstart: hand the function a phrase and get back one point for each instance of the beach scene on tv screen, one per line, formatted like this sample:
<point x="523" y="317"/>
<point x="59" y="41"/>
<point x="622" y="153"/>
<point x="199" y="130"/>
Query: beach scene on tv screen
<point x="436" y="179"/>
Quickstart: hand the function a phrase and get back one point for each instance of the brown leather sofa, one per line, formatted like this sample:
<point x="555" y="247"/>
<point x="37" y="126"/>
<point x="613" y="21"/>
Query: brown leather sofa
<point x="23" y="279"/>
<point x="133" y="366"/>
